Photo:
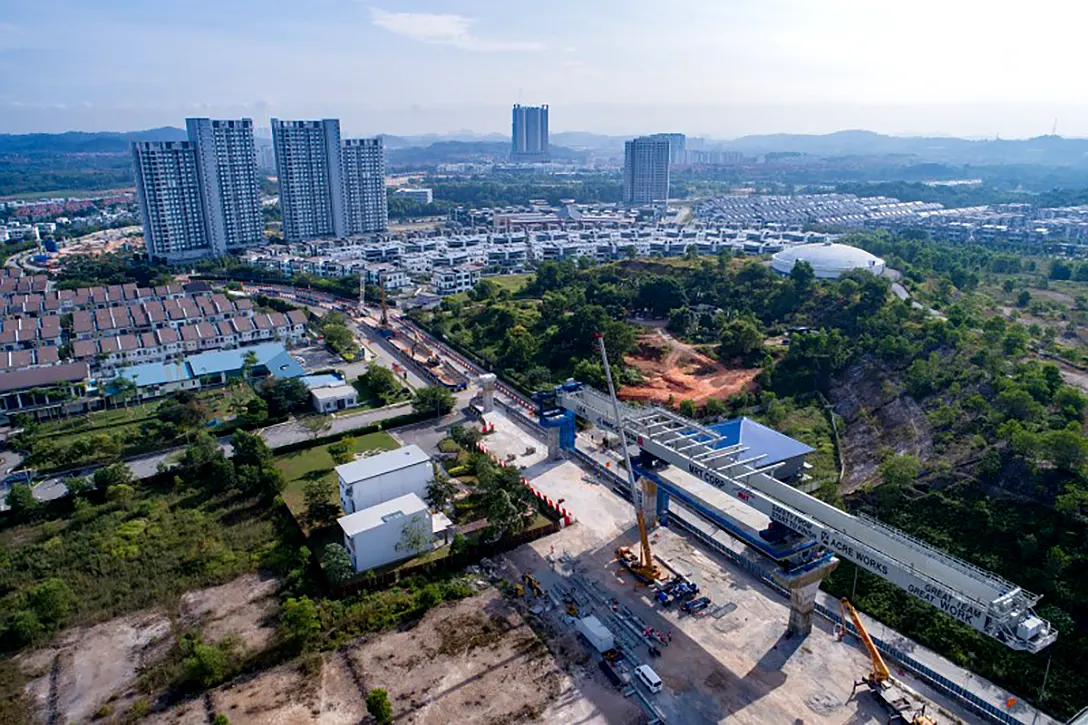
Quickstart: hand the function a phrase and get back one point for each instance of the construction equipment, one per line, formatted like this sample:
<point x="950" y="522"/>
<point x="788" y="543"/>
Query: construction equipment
<point x="642" y="565"/>
<point x="897" y="697"/>
<point x="384" y="328"/>
<point x="806" y="536"/>
<point x="880" y="672"/>
<point x="533" y="584"/>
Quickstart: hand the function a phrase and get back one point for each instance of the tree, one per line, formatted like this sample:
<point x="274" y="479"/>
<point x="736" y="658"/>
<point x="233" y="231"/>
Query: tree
<point x="435" y="400"/>
<point x="255" y="413"/>
<point x="113" y="475"/>
<point x="1023" y="299"/>
<point x="220" y="719"/>
<point x="416" y="536"/>
<point x="802" y="276"/>
<point x="249" y="361"/>
<point x="319" y="495"/>
<point x="206" y="664"/>
<point x="899" y="471"/>
<point x="300" y="622"/>
<point x="79" y="485"/>
<point x="687" y="408"/>
<point x="440" y="491"/>
<point x="381" y="382"/>
<point x="184" y="411"/>
<point x="23" y="505"/>
<point x="740" y="338"/>
<point x="377" y="704"/>
<point x="1068" y="450"/>
<point x="343" y="450"/>
<point x="315" y="425"/>
<point x="340" y="339"/>
<point x="337" y="564"/>
<point x="52" y="601"/>
<point x="250" y="450"/>
<point x="120" y="493"/>
<point x="284" y="397"/>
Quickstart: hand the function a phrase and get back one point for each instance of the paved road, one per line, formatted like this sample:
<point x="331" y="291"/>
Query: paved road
<point x="275" y="436"/>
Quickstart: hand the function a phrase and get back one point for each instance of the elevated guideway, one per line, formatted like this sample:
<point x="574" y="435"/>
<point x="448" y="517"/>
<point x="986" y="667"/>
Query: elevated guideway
<point x="804" y="535"/>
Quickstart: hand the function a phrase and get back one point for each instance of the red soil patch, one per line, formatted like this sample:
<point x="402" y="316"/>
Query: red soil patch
<point x="675" y="369"/>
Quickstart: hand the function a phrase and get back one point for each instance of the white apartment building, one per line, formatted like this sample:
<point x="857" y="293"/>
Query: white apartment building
<point x="364" y="185"/>
<point x="227" y="170"/>
<point x="451" y="280"/>
<point x="420" y="196"/>
<point x="199" y="197"/>
<point x="168" y="192"/>
<point x="310" y="168"/>
<point x="646" y="171"/>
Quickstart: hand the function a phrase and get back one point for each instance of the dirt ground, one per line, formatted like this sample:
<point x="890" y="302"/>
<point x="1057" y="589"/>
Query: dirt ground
<point x="87" y="667"/>
<point x="675" y="369"/>
<point x="471" y="662"/>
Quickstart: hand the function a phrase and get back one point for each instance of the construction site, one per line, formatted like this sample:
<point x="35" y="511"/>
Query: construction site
<point x="674" y="370"/>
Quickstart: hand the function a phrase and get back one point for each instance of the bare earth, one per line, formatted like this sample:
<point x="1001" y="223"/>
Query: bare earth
<point x="673" y="369"/>
<point x="87" y="667"/>
<point x="472" y="662"/>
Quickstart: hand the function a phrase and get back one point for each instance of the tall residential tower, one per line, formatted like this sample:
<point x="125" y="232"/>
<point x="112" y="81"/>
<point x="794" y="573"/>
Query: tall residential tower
<point x="646" y="171"/>
<point x="168" y="191"/>
<point x="364" y="185"/>
<point x="529" y="132"/>
<point x="200" y="197"/>
<point x="310" y="168"/>
<point x="226" y="162"/>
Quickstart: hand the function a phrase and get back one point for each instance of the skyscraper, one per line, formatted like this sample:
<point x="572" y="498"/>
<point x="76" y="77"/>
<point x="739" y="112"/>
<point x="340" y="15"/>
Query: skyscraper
<point x="168" y="191"/>
<point x="677" y="147"/>
<point x="529" y="132"/>
<point x="646" y="171"/>
<point x="364" y="185"/>
<point x="310" y="168"/>
<point x="199" y="197"/>
<point x="226" y="164"/>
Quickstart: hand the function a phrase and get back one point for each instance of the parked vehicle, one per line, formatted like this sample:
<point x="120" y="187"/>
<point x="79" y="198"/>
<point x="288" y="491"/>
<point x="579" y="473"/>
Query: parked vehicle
<point x="696" y="605"/>
<point x="610" y="672"/>
<point x="648" y="678"/>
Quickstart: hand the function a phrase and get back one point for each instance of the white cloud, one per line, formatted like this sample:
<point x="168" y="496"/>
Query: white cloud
<point x="445" y="29"/>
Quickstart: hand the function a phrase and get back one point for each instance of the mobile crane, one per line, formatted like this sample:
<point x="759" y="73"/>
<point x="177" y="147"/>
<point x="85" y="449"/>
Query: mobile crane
<point x="641" y="565"/>
<point x="893" y="694"/>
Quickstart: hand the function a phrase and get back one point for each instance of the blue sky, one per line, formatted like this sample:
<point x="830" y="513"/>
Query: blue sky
<point x="720" y="68"/>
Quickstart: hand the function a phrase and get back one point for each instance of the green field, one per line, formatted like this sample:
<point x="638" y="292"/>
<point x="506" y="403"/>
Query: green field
<point x="809" y="425"/>
<point x="512" y="282"/>
<point x="300" y="467"/>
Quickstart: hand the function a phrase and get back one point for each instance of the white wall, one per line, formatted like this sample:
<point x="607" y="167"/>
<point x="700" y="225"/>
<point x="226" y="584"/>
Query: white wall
<point x="386" y="487"/>
<point x="378" y="546"/>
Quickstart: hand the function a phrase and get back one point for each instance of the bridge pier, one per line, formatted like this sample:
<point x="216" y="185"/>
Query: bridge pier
<point x="802" y="589"/>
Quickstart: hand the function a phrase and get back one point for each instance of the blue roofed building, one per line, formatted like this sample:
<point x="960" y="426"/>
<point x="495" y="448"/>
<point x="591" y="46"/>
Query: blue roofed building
<point x="324" y="380"/>
<point x="272" y="360"/>
<point x="156" y="379"/>
<point x="766" y="445"/>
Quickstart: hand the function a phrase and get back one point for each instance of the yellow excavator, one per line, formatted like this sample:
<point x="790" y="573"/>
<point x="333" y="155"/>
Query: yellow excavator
<point x="879" y="680"/>
<point x="642" y="565"/>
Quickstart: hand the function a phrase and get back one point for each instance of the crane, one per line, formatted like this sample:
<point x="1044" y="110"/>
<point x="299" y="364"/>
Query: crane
<point x="642" y="566"/>
<point x="896" y="697"/>
<point x="804" y="533"/>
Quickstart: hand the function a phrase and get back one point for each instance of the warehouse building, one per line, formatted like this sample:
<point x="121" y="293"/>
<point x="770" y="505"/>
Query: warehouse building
<point x="376" y="479"/>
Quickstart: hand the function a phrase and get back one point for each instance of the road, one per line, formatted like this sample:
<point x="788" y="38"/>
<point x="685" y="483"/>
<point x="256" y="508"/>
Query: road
<point x="275" y="436"/>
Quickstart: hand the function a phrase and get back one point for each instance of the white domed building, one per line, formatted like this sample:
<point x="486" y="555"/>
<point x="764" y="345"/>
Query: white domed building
<point x="828" y="260"/>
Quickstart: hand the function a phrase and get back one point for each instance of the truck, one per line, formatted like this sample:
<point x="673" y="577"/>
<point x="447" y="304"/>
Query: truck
<point x="598" y="635"/>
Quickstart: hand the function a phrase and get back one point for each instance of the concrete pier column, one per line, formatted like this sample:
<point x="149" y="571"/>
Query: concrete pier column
<point x="649" y="501"/>
<point x="487" y="383"/>
<point x="802" y="589"/>
<point x="555" y="448"/>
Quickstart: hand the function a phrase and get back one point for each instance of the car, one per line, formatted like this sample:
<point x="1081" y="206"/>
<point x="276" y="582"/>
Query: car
<point x="649" y="679"/>
<point x="696" y="605"/>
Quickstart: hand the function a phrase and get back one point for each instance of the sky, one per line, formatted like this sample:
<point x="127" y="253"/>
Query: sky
<point x="714" y="68"/>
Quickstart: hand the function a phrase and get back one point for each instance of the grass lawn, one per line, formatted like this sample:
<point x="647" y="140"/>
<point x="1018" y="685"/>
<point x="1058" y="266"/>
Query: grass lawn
<point x="300" y="467"/>
<point x="512" y="282"/>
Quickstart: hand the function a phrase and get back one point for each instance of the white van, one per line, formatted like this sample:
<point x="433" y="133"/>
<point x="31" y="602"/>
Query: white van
<point x="649" y="678"/>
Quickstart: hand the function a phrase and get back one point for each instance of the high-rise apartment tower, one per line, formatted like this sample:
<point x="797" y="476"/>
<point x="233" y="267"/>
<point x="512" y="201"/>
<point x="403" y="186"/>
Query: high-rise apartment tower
<point x="529" y="132"/>
<point x="200" y="197"/>
<point x="646" y="171"/>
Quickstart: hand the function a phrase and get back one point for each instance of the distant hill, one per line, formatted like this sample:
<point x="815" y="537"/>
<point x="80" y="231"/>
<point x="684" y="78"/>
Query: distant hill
<point x="1043" y="150"/>
<point x="74" y="142"/>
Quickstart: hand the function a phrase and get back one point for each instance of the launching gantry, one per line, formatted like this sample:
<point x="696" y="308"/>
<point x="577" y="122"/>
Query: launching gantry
<point x="806" y="537"/>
